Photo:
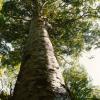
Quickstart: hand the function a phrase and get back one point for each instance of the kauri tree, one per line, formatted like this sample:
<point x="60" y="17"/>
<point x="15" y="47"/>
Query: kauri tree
<point x="28" y="25"/>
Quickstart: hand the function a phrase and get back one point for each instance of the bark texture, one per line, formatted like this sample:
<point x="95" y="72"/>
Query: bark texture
<point x="40" y="76"/>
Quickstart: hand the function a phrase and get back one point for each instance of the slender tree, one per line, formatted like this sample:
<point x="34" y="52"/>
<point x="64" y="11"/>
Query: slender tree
<point x="40" y="76"/>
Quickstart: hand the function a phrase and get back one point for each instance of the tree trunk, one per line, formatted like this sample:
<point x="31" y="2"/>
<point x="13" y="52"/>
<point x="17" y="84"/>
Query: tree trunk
<point x="40" y="76"/>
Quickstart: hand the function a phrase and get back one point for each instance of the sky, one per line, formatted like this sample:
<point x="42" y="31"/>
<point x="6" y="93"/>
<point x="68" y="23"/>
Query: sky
<point x="91" y="61"/>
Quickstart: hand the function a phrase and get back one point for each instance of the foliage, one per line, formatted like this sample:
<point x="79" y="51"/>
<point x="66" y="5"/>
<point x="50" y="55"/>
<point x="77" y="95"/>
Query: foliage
<point x="3" y="96"/>
<point x="1" y="3"/>
<point x="71" y="26"/>
<point x="96" y="93"/>
<point x="78" y="83"/>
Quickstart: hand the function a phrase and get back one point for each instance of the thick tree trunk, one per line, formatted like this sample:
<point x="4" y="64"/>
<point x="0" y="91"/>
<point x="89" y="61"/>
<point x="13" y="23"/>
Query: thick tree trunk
<point x="40" y="76"/>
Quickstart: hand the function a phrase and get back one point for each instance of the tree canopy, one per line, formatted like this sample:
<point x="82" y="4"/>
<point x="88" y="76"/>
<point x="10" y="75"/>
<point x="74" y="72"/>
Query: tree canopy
<point x="71" y="26"/>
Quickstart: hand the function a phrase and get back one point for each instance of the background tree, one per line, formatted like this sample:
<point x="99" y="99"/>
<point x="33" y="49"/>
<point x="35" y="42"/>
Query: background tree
<point x="78" y="82"/>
